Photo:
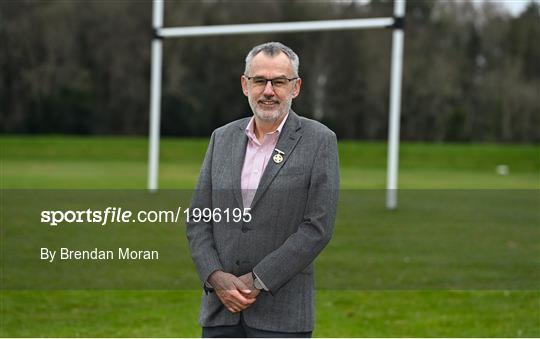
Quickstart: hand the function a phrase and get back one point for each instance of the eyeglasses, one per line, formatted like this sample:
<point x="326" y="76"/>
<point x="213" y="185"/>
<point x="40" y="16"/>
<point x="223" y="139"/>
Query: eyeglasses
<point x="260" y="82"/>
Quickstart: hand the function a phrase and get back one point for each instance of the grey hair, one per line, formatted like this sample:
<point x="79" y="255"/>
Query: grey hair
<point x="273" y="49"/>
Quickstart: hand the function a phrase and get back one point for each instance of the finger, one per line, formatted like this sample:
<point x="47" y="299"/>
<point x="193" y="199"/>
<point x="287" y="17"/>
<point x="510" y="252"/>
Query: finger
<point x="247" y="294"/>
<point x="241" y="286"/>
<point x="234" y="306"/>
<point x="231" y="306"/>
<point x="235" y="300"/>
<point x="240" y="299"/>
<point x="230" y="303"/>
<point x="233" y="303"/>
<point x="250" y="296"/>
<point x="240" y="306"/>
<point x="244" y="290"/>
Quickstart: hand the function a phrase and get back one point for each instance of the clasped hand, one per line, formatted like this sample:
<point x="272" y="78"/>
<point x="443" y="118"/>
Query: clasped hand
<point x="235" y="293"/>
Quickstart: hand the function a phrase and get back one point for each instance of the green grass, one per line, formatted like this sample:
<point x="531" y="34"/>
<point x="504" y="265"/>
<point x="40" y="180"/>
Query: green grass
<point x="343" y="313"/>
<point x="369" y="241"/>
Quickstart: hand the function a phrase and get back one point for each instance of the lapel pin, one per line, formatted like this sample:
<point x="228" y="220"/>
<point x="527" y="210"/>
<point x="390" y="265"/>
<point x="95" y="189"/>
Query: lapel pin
<point x="278" y="158"/>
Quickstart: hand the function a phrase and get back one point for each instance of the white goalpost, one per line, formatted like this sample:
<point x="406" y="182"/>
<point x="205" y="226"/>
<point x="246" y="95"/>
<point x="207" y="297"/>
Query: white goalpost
<point x="396" y="23"/>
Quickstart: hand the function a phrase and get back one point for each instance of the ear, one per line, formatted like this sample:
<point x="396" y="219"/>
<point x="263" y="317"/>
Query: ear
<point x="243" y="81"/>
<point x="296" y="89"/>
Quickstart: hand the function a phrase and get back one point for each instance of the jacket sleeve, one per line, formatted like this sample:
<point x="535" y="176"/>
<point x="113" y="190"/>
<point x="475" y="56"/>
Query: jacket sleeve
<point x="315" y="231"/>
<point x="200" y="234"/>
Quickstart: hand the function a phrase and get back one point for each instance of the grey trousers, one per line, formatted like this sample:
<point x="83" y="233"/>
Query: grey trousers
<point x="241" y="330"/>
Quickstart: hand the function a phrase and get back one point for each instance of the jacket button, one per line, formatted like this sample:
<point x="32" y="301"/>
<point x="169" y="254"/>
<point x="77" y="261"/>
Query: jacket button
<point x="245" y="229"/>
<point x="237" y="262"/>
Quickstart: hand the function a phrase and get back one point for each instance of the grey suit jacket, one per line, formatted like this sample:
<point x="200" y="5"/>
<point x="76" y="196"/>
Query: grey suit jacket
<point x="293" y="215"/>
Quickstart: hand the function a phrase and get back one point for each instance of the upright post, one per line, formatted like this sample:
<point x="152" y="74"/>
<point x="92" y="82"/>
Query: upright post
<point x="395" y="105"/>
<point x="155" y="97"/>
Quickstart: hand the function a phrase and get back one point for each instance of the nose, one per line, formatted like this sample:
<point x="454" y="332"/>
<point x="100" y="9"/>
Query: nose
<point x="269" y="89"/>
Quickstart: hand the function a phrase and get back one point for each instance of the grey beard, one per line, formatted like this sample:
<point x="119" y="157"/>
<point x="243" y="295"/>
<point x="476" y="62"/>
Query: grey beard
<point x="287" y="108"/>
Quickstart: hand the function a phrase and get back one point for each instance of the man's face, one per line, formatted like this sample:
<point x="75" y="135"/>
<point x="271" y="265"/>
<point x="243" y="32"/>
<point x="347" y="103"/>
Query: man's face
<point x="268" y="102"/>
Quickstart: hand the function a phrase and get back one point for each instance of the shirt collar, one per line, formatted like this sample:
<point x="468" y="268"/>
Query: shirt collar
<point x="250" y="128"/>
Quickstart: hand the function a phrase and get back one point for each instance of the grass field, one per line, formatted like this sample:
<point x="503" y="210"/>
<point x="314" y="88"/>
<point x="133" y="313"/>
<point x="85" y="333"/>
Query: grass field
<point x="426" y="308"/>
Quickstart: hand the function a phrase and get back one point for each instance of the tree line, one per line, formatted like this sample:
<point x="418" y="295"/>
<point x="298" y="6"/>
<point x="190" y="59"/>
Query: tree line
<point x="471" y="72"/>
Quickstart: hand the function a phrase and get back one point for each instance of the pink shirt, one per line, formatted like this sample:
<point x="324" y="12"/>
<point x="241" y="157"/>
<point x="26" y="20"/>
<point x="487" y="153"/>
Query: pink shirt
<point x="257" y="156"/>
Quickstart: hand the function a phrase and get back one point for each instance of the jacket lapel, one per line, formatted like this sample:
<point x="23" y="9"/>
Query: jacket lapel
<point x="289" y="137"/>
<point x="238" y="155"/>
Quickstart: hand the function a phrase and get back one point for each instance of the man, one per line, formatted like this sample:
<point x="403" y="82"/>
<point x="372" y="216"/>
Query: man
<point x="282" y="171"/>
